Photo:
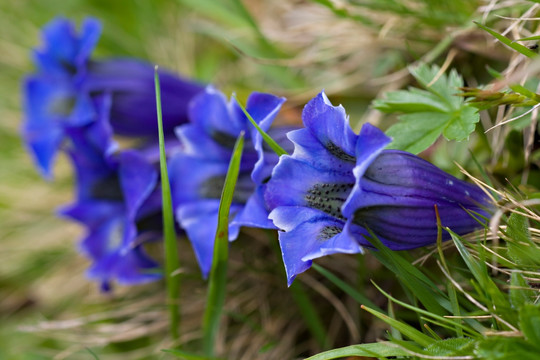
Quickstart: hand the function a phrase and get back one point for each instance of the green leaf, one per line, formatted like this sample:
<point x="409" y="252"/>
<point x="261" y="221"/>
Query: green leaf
<point x="445" y="87"/>
<point x="416" y="132"/>
<point x="461" y="124"/>
<point x="494" y="296"/>
<point x="380" y="349"/>
<point x="218" y="273"/>
<point x="410" y="101"/>
<point x="518" y="47"/>
<point x="451" y="347"/>
<point x="520" y="292"/>
<point x="521" y="249"/>
<point x="529" y="320"/>
<point x="349" y="290"/>
<point x="267" y="138"/>
<point x="442" y="320"/>
<point x="430" y="112"/>
<point x="172" y="262"/>
<point x="416" y="281"/>
<point x="506" y="348"/>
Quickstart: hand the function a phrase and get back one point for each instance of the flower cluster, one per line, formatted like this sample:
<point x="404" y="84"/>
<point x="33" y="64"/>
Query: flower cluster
<point x="336" y="191"/>
<point x="80" y="105"/>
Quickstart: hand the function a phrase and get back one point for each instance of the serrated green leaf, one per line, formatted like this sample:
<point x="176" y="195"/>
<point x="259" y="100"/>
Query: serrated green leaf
<point x="520" y="293"/>
<point x="529" y="321"/>
<point x="410" y="101"/>
<point x="416" y="132"/>
<point x="451" y="347"/>
<point x="506" y="348"/>
<point x="521" y="249"/>
<point x="380" y="349"/>
<point x="461" y="124"/>
<point x="446" y="87"/>
<point x="429" y="113"/>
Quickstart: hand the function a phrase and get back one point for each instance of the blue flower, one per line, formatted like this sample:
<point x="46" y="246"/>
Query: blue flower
<point x="337" y="185"/>
<point x="117" y="197"/>
<point x="59" y="96"/>
<point x="198" y="171"/>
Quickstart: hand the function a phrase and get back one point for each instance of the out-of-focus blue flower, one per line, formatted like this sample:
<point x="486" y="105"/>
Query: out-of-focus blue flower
<point x="117" y="199"/>
<point x="337" y="185"/>
<point x="198" y="171"/>
<point x="59" y="96"/>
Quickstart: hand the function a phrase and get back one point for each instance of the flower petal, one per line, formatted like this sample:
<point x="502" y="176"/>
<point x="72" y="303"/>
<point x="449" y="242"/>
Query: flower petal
<point x="309" y="234"/>
<point x="371" y="141"/>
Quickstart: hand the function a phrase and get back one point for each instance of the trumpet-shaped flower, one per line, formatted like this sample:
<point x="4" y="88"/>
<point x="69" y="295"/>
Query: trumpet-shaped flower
<point x="116" y="198"/>
<point x="59" y="96"/>
<point x="198" y="171"/>
<point x="338" y="186"/>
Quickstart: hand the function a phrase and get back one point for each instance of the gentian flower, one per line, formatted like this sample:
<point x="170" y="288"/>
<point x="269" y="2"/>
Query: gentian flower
<point x="59" y="96"/>
<point x="198" y="171"/>
<point x="337" y="185"/>
<point x="117" y="197"/>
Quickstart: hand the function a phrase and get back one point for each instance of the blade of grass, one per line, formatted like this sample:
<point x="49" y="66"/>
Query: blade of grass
<point x="506" y="41"/>
<point x="418" y="283"/>
<point x="416" y="309"/>
<point x="271" y="142"/>
<point x="172" y="262"/>
<point x="187" y="356"/>
<point x="346" y="288"/>
<point x="406" y="330"/>
<point x="380" y="350"/>
<point x="218" y="273"/>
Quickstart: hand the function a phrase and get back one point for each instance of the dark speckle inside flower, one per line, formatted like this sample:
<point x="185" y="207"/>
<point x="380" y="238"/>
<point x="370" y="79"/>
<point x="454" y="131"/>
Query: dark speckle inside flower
<point x="339" y="153"/>
<point x="328" y="198"/>
<point x="107" y="189"/>
<point x="328" y="232"/>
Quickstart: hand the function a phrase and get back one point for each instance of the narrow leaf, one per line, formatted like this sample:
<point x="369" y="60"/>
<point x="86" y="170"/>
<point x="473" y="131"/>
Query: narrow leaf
<point x="380" y="349"/>
<point x="172" y="262"/>
<point x="518" y="47"/>
<point x="407" y="330"/>
<point x="271" y="142"/>
<point x="349" y="290"/>
<point x="218" y="274"/>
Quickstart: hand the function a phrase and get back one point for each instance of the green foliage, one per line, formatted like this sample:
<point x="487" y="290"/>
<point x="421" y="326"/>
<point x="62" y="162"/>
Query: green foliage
<point x="172" y="262"/>
<point x="517" y="47"/>
<point x="218" y="273"/>
<point x="428" y="113"/>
